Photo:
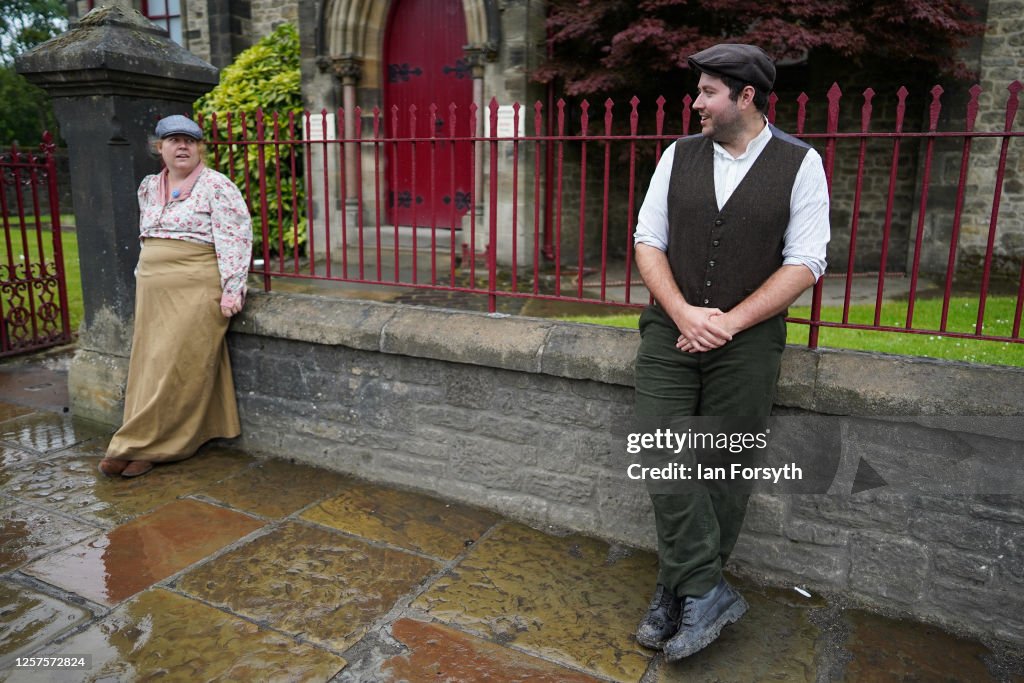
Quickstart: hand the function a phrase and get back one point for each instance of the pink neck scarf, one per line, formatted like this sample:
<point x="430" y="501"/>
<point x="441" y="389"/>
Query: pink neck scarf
<point x="186" y="188"/>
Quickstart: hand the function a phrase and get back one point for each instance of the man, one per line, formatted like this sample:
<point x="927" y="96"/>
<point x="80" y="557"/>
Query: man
<point x="732" y="230"/>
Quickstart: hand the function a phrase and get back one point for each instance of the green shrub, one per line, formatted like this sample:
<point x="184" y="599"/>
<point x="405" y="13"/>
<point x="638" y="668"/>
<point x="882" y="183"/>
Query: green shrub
<point x="25" y="112"/>
<point x="264" y="77"/>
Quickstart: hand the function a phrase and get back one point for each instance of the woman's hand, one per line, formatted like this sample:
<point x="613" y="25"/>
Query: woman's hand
<point x="231" y="303"/>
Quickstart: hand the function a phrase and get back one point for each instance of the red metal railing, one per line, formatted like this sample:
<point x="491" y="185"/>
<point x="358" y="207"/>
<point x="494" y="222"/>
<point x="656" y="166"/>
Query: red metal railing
<point x="33" y="291"/>
<point x="326" y="216"/>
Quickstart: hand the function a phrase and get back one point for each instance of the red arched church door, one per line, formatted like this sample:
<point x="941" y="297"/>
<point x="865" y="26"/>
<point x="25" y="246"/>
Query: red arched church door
<point x="424" y="64"/>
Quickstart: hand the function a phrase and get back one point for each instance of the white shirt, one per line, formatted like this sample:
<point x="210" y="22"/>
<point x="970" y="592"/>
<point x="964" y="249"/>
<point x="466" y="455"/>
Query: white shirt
<point x="807" y="234"/>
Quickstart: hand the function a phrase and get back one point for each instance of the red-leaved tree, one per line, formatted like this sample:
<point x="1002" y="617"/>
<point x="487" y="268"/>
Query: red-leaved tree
<point x="617" y="46"/>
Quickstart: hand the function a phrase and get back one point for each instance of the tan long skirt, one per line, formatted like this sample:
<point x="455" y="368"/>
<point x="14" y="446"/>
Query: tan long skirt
<point x="180" y="393"/>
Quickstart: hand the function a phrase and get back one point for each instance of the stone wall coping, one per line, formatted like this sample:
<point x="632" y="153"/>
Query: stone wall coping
<point x="826" y="381"/>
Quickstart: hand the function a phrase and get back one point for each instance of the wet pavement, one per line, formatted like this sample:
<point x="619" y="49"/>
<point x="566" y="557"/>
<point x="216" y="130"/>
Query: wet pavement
<point x="228" y="567"/>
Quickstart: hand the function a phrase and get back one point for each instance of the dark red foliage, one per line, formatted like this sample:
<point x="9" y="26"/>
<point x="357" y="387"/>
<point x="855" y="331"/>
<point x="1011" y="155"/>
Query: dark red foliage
<point x="604" y="46"/>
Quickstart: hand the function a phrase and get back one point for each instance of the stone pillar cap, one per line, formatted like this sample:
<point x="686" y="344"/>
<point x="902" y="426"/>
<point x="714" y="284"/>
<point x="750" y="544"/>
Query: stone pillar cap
<point x="113" y="51"/>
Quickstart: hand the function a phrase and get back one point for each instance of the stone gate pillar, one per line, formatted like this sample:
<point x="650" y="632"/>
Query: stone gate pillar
<point x="111" y="77"/>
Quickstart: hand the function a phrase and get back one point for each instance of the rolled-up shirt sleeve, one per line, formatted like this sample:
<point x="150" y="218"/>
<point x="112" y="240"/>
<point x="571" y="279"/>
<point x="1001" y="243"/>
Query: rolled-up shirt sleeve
<point x="652" y="222"/>
<point x="807" y="234"/>
<point x="232" y="236"/>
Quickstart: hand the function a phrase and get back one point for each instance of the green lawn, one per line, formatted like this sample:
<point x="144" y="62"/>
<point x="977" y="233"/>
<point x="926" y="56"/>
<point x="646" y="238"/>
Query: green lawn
<point x="71" y="267"/>
<point x="963" y="312"/>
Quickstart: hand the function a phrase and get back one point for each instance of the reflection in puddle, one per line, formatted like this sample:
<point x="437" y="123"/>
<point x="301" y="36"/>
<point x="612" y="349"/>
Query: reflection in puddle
<point x="460" y="657"/>
<point x="49" y="432"/>
<point x="26" y="533"/>
<point x="28" y="619"/>
<point x="163" y="635"/>
<point x="138" y="554"/>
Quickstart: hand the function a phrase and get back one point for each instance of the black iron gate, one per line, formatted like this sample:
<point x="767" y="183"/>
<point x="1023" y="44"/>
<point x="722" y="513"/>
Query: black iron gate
<point x="33" y="291"/>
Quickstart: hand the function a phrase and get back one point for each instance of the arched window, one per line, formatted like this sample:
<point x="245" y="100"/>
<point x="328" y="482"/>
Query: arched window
<point x="166" y="14"/>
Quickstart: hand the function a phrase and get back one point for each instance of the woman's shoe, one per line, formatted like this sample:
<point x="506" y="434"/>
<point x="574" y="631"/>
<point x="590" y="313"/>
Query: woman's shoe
<point x="136" y="468"/>
<point x="112" y="467"/>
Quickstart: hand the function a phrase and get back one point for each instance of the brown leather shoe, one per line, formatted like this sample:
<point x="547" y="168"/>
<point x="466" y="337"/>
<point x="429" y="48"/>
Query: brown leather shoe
<point x="136" y="468"/>
<point x="112" y="467"/>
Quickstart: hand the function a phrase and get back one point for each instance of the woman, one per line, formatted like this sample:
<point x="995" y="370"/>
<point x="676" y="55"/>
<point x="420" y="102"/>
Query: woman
<point x="196" y="239"/>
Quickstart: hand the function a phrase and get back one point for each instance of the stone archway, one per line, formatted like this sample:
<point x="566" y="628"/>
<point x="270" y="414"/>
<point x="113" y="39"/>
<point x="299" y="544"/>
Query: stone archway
<point x="352" y="43"/>
<point x="356" y="28"/>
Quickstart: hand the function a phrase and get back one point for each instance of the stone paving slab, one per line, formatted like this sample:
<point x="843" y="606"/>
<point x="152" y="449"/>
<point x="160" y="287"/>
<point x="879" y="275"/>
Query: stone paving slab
<point x="412" y="521"/>
<point x="308" y="581"/>
<point x="448" y="654"/>
<point x="774" y="641"/>
<point x="73" y="485"/>
<point x="163" y="636"/>
<point x="47" y="432"/>
<point x="26" y="533"/>
<point x="887" y="649"/>
<point x="255" y="570"/>
<point x="11" y="410"/>
<point x="30" y="619"/>
<point x="12" y="458"/>
<point x="274" y="488"/>
<point x="33" y="386"/>
<point x="134" y="556"/>
<point x="571" y="599"/>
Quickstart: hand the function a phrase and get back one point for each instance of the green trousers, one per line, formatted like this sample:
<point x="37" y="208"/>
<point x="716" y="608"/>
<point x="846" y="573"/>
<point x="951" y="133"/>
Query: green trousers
<point x="698" y="524"/>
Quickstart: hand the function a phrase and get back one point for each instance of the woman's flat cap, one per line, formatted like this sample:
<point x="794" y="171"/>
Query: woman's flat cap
<point x="746" y="63"/>
<point x="177" y="124"/>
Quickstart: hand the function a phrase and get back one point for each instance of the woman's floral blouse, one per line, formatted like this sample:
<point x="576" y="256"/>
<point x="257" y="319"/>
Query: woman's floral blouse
<point x="213" y="212"/>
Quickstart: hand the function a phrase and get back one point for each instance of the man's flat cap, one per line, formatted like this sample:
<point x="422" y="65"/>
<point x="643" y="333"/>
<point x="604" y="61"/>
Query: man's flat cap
<point x="178" y="125"/>
<point x="746" y="63"/>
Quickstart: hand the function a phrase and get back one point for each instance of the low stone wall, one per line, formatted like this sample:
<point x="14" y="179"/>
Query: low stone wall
<point x="528" y="417"/>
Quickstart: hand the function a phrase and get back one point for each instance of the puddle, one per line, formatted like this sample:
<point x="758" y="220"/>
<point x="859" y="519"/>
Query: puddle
<point x="275" y="488"/>
<point x="310" y="581"/>
<point x="887" y="649"/>
<point x="134" y="556"/>
<point x="163" y="636"/>
<point x="443" y="653"/>
<point x="10" y="411"/>
<point x="72" y="484"/>
<point x="48" y="432"/>
<point x="553" y="596"/>
<point x="26" y="533"/>
<point x="29" y="619"/>
<point x="772" y="642"/>
<point x="405" y="519"/>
